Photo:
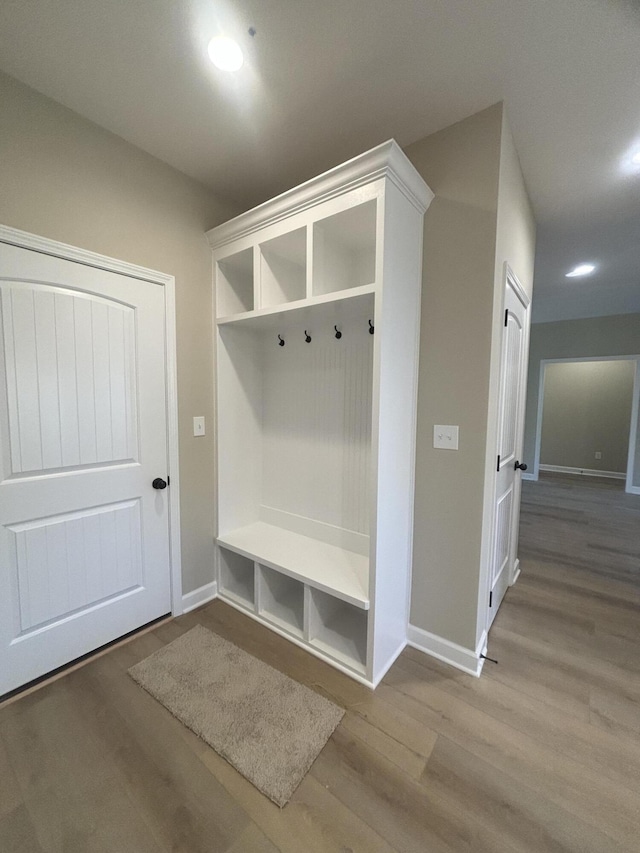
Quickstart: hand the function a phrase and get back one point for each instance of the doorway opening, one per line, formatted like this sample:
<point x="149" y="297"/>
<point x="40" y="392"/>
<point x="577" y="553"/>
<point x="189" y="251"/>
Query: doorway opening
<point x="587" y="419"/>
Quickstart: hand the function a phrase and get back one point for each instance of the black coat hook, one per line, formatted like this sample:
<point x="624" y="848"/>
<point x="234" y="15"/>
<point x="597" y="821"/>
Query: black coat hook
<point x="370" y="327"/>
<point x="307" y="336"/>
<point x="280" y="341"/>
<point x="338" y="334"/>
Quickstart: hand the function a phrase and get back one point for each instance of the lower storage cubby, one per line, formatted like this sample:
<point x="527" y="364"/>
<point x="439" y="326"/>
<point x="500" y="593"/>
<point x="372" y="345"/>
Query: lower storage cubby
<point x="237" y="578"/>
<point x="338" y="629"/>
<point x="281" y="600"/>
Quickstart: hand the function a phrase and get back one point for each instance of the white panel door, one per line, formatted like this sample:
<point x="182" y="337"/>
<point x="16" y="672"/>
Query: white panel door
<point x="84" y="537"/>
<point x="510" y="432"/>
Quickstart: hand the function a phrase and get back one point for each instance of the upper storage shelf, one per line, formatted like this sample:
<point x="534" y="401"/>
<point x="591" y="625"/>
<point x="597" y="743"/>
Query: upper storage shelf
<point x="234" y="283"/>
<point x="283" y="272"/>
<point x="344" y="249"/>
<point x="320" y="240"/>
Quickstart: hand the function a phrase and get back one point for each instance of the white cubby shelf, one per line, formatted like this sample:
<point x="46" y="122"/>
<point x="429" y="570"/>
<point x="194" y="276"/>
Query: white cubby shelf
<point x="339" y="572"/>
<point x="281" y="600"/>
<point x="317" y="309"/>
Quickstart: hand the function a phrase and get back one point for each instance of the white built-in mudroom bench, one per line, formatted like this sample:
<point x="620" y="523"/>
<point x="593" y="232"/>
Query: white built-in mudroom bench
<point x="317" y="313"/>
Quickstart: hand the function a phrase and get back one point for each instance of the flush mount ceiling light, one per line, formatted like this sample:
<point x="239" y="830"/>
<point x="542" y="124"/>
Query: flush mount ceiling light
<point x="225" y="53"/>
<point x="581" y="269"/>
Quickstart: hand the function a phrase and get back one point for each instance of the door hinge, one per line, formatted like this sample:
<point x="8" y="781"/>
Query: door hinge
<point x="490" y="598"/>
<point x="498" y="468"/>
<point x="506" y="316"/>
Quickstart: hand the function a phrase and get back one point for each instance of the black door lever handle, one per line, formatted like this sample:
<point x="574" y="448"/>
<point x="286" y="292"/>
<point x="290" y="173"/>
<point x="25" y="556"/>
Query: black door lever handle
<point x="521" y="465"/>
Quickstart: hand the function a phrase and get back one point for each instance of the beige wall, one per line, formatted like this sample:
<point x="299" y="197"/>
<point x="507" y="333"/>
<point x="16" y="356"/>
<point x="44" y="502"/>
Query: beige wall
<point x="461" y="165"/>
<point x="593" y="337"/>
<point x="587" y="408"/>
<point x="515" y="246"/>
<point x="479" y="218"/>
<point x="64" y="178"/>
<point x="67" y="179"/>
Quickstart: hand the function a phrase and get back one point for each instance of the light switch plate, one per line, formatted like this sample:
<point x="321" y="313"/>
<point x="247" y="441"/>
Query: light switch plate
<point x="198" y="426"/>
<point x="445" y="437"/>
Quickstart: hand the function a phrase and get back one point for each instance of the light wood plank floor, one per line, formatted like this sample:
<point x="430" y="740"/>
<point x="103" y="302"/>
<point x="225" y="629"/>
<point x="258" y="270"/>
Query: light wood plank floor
<point x="540" y="754"/>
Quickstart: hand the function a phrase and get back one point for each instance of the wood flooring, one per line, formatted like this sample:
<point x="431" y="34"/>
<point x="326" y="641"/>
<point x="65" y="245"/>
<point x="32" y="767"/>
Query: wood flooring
<point x="542" y="753"/>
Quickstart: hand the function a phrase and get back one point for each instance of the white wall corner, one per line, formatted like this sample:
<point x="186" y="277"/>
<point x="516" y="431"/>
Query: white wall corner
<point x="383" y="670"/>
<point x="199" y="596"/>
<point x="444" y="650"/>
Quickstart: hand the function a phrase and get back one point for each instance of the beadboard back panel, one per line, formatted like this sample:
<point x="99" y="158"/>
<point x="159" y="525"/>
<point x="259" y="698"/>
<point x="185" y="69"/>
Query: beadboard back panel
<point x="316" y="435"/>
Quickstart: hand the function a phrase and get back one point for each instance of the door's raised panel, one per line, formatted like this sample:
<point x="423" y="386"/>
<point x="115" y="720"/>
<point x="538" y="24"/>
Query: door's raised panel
<point x="67" y="563"/>
<point x="503" y="532"/>
<point x="69" y="360"/>
<point x="510" y="389"/>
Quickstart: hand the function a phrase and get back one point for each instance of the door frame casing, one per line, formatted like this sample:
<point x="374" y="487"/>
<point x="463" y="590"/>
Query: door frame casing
<point x="509" y="279"/>
<point x="45" y="246"/>
<point x="635" y="409"/>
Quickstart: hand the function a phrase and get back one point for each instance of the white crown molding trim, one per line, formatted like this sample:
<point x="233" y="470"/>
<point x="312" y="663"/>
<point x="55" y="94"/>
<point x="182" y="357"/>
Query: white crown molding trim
<point x="385" y="161"/>
<point x="446" y="651"/>
<point x="198" y="597"/>
<point x="83" y="256"/>
<point x="585" y="472"/>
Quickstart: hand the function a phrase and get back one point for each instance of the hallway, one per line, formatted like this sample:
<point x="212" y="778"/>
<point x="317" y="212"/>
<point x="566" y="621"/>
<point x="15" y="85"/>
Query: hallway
<point x="589" y="523"/>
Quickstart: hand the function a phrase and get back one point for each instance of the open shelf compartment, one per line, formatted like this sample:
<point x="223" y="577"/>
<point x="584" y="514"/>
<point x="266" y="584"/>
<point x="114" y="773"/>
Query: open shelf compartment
<point x="234" y="284"/>
<point x="283" y="272"/>
<point x="342" y="573"/>
<point x="237" y="578"/>
<point x="281" y="600"/>
<point x="338" y="629"/>
<point x="344" y="249"/>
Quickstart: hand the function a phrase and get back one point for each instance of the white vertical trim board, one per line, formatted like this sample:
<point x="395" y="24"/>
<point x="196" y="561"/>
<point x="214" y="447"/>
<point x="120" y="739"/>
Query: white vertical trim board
<point x="380" y="674"/>
<point x="509" y="279"/>
<point x="632" y="484"/>
<point x="446" y="651"/>
<point x="35" y="243"/>
<point x="198" y="597"/>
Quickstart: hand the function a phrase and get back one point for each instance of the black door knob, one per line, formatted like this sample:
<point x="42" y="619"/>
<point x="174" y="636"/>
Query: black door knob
<point x="521" y="465"/>
<point x="159" y="483"/>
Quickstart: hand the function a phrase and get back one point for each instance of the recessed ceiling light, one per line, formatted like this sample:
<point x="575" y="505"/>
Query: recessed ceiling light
<point x="225" y="53"/>
<point x="581" y="269"/>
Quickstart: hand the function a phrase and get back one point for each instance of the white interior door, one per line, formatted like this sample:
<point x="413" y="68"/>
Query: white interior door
<point x="513" y="368"/>
<point x="84" y="537"/>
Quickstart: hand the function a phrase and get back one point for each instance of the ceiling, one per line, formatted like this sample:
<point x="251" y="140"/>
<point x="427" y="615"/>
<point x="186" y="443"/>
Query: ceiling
<point x="324" y="80"/>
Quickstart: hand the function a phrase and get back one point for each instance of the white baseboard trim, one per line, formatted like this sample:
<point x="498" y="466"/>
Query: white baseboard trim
<point x="516" y="571"/>
<point x="585" y="472"/>
<point x="528" y="476"/>
<point x="633" y="490"/>
<point x="199" y="596"/>
<point x="446" y="651"/>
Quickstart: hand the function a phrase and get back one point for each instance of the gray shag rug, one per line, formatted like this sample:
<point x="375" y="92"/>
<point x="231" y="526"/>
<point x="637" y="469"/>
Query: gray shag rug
<point x="266" y="725"/>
